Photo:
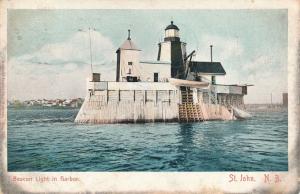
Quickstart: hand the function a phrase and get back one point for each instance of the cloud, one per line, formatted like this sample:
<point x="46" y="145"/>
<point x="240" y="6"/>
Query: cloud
<point x="267" y="72"/>
<point x="267" y="75"/>
<point x="223" y="48"/>
<point x="59" y="70"/>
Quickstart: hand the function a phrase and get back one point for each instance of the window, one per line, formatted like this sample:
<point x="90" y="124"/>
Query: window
<point x="155" y="77"/>
<point x="129" y="63"/>
<point x="129" y="71"/>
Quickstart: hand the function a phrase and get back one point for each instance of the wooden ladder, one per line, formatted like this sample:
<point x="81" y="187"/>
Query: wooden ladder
<point x="200" y="112"/>
<point x="188" y="111"/>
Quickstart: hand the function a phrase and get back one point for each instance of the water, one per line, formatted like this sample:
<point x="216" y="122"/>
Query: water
<point x="48" y="140"/>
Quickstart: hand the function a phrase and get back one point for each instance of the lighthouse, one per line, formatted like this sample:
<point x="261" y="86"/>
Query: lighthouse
<point x="172" y="50"/>
<point x="172" y="87"/>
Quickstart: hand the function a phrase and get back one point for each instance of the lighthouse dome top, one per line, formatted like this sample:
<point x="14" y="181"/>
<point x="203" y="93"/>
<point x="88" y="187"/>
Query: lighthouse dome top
<point x="172" y="26"/>
<point x="172" y="32"/>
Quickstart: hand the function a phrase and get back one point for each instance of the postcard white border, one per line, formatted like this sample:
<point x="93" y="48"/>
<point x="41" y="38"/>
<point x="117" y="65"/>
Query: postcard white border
<point x="213" y="182"/>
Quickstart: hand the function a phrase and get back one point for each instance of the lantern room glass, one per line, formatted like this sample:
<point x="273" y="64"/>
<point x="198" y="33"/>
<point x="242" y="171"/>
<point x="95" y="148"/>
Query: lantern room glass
<point x="172" y="33"/>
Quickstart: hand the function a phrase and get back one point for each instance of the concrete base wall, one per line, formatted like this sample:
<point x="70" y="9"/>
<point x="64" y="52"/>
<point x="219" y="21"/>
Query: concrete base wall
<point x="136" y="106"/>
<point x="98" y="112"/>
<point x="126" y="112"/>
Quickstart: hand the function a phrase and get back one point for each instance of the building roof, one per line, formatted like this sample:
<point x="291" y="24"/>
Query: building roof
<point x="172" y="26"/>
<point x="156" y="62"/>
<point x="129" y="45"/>
<point x="210" y="68"/>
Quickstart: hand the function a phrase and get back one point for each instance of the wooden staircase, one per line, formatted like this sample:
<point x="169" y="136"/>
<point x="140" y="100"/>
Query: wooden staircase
<point x="188" y="111"/>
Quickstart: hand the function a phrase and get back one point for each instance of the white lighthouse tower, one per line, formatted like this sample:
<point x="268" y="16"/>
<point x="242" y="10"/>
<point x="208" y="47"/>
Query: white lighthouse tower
<point x="172" y="50"/>
<point x="128" y="65"/>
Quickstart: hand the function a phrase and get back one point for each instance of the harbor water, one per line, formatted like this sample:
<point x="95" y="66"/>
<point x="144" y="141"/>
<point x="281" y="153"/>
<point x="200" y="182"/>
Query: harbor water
<point x="47" y="139"/>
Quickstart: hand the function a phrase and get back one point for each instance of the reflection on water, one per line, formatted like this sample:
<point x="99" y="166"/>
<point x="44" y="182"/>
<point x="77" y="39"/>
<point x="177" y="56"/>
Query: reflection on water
<point x="48" y="140"/>
<point x="185" y="143"/>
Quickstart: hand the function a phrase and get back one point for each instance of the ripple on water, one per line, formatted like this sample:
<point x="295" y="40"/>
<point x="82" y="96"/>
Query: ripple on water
<point x="48" y="140"/>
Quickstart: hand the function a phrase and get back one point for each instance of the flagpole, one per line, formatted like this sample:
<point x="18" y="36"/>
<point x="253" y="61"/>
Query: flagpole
<point x="91" y="52"/>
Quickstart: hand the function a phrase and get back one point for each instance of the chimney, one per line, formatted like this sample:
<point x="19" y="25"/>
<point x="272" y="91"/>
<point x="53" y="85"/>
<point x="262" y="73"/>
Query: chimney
<point x="211" y="53"/>
<point x="213" y="78"/>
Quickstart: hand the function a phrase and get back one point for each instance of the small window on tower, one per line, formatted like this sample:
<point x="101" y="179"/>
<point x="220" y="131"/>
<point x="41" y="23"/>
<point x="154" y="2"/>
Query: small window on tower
<point x="155" y="77"/>
<point x="129" y="71"/>
<point x="129" y="63"/>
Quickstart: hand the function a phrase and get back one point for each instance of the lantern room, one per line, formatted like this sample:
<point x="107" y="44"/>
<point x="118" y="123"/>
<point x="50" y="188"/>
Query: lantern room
<point x="171" y="31"/>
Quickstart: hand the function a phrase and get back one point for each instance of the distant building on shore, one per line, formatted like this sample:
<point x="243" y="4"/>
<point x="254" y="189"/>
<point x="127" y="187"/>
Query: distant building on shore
<point x="74" y="103"/>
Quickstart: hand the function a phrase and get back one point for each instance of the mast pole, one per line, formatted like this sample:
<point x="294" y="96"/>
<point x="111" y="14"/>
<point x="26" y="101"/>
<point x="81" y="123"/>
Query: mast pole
<point x="271" y="99"/>
<point x="91" y="52"/>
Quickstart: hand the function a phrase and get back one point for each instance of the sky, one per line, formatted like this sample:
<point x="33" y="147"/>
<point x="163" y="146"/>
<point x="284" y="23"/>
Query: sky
<point x="48" y="50"/>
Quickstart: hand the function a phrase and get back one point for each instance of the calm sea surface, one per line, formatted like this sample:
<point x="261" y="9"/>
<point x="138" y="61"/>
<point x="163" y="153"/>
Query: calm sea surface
<point x="48" y="140"/>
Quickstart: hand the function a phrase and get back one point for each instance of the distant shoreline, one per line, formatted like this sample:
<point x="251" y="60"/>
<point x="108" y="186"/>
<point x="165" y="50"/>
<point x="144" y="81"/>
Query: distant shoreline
<point x="268" y="107"/>
<point x="41" y="107"/>
<point x="248" y="107"/>
<point x="61" y="103"/>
